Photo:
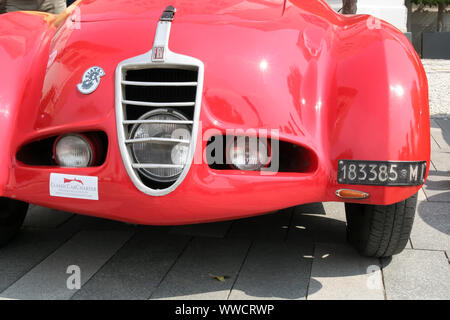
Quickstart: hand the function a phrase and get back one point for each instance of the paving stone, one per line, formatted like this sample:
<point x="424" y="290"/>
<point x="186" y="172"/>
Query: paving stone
<point x="29" y="248"/>
<point x="445" y="125"/>
<point x="274" y="271"/>
<point x="335" y="210"/>
<point x="437" y="188"/>
<point x="417" y="275"/>
<point x="213" y="230"/>
<point x="408" y="245"/>
<point x="438" y="79"/>
<point x="441" y="162"/>
<point x="137" y="268"/>
<point x="433" y="169"/>
<point x="93" y="223"/>
<point x="311" y="208"/>
<point x="320" y="228"/>
<point x="88" y="250"/>
<point x="434" y="146"/>
<point x="441" y="137"/>
<point x="192" y="277"/>
<point x="431" y="229"/>
<point x="422" y="196"/>
<point x="339" y="272"/>
<point x="267" y="227"/>
<point x="40" y="217"/>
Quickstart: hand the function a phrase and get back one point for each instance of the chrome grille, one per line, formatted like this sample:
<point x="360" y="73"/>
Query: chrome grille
<point x="153" y="86"/>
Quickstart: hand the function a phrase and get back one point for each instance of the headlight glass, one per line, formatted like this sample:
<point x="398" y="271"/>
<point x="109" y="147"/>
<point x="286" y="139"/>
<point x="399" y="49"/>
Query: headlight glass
<point x="248" y="153"/>
<point x="73" y="151"/>
<point x="161" y="152"/>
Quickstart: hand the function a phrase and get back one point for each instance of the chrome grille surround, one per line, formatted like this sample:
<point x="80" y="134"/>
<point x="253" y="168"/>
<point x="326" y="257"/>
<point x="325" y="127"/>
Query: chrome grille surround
<point x="171" y="61"/>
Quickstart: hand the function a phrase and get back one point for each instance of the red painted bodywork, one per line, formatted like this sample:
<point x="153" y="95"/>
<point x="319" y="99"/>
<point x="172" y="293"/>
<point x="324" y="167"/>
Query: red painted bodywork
<point x="332" y="83"/>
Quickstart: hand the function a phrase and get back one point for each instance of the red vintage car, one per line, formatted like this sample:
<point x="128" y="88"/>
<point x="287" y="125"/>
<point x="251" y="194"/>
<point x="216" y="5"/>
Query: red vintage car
<point x="189" y="111"/>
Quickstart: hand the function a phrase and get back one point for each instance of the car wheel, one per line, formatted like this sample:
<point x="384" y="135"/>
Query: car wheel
<point x="380" y="231"/>
<point x="12" y="214"/>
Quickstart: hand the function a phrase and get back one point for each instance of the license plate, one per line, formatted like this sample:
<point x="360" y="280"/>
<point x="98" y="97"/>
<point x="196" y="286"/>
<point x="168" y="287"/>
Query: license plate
<point x="382" y="173"/>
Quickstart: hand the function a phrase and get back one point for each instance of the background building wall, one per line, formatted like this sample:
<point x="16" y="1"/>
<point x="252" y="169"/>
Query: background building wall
<point x="425" y="21"/>
<point x="392" y="11"/>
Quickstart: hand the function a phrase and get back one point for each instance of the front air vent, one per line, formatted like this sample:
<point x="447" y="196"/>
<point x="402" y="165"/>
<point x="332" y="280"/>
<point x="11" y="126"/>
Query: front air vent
<point x="41" y="152"/>
<point x="158" y="107"/>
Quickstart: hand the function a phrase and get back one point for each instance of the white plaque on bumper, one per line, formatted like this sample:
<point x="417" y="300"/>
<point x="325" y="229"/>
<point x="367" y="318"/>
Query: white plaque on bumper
<point x="76" y="187"/>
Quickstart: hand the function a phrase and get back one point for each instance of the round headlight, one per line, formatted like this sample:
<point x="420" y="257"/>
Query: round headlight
<point x="161" y="152"/>
<point x="73" y="151"/>
<point x="248" y="153"/>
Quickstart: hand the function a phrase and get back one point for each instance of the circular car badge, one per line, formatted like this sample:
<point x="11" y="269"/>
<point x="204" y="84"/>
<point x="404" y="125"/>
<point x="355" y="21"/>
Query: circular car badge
<point x="91" y="80"/>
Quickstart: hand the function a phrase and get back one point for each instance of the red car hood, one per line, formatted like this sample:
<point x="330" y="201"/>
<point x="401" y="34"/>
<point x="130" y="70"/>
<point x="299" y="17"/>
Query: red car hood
<point x="343" y="87"/>
<point x="91" y="10"/>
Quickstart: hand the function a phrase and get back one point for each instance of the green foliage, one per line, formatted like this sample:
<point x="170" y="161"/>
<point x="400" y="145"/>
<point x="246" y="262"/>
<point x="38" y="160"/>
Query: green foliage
<point x="431" y="2"/>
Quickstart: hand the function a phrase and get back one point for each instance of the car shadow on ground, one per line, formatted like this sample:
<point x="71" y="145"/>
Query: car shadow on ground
<point x="312" y="238"/>
<point x="291" y="254"/>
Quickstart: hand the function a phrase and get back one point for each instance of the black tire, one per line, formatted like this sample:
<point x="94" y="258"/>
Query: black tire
<point x="380" y="231"/>
<point x="12" y="214"/>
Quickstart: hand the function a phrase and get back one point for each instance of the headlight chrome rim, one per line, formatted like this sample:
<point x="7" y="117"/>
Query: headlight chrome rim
<point x="146" y="172"/>
<point x="81" y="137"/>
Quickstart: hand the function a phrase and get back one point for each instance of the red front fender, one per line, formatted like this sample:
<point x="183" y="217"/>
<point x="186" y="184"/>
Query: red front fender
<point x="24" y="45"/>
<point x="377" y="104"/>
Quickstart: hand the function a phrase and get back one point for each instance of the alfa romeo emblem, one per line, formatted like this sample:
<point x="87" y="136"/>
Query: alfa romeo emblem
<point x="91" y="80"/>
<point x="158" y="54"/>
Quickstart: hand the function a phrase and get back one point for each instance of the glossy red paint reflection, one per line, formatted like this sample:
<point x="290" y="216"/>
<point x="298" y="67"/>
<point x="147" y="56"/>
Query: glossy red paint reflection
<point x="327" y="82"/>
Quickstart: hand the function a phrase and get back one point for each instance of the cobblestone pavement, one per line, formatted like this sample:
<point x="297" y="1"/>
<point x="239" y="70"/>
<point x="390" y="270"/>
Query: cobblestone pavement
<point x="299" y="253"/>
<point x="438" y="72"/>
